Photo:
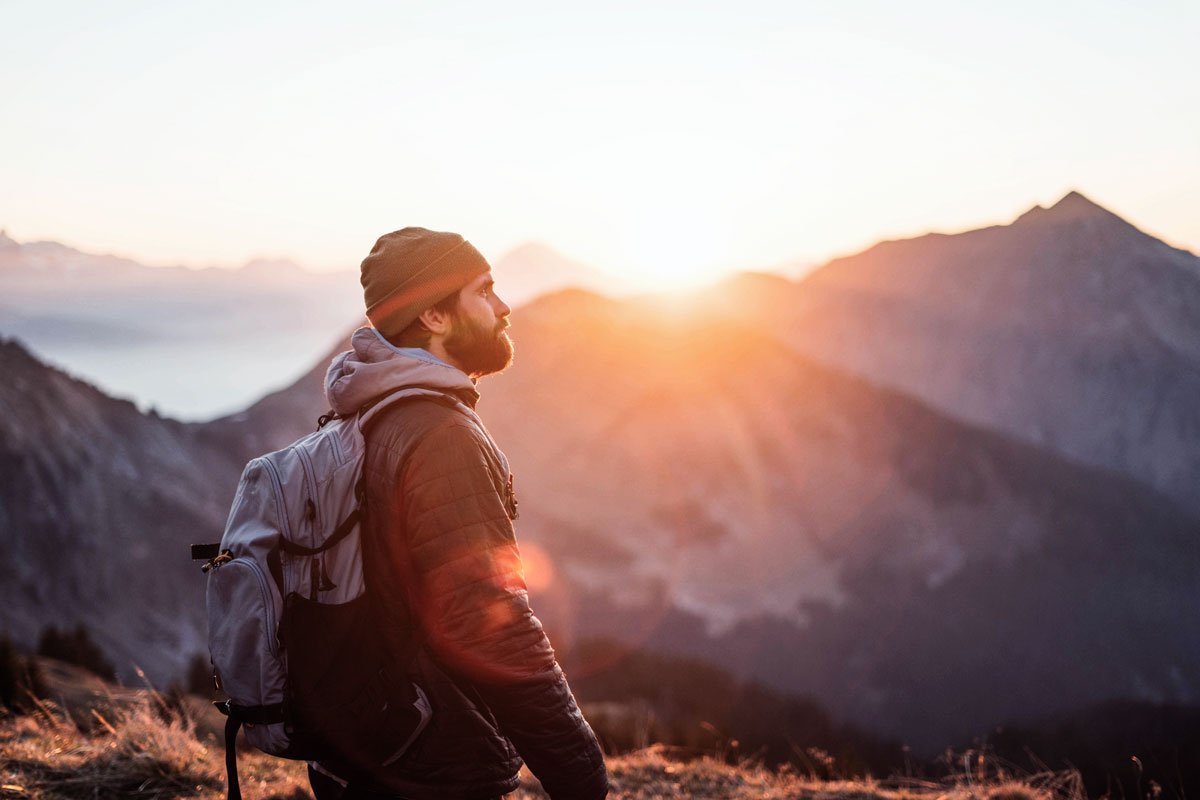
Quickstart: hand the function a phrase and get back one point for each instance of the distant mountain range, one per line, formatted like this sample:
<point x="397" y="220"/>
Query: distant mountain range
<point x="197" y="343"/>
<point x="703" y="483"/>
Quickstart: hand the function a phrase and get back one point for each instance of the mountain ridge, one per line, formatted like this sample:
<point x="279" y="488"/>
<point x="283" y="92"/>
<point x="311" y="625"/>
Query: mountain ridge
<point x="1081" y="334"/>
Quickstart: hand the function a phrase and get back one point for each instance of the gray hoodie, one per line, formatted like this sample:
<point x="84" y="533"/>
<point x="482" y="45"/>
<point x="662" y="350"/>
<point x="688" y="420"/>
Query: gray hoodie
<point x="375" y="367"/>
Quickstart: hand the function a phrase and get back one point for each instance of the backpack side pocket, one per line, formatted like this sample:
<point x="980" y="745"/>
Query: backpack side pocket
<point x="243" y="606"/>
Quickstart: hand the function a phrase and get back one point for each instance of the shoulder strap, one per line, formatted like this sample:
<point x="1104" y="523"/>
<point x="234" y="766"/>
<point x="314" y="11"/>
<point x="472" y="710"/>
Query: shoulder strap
<point x="369" y="411"/>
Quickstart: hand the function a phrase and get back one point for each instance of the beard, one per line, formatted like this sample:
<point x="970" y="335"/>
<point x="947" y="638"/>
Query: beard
<point x="477" y="349"/>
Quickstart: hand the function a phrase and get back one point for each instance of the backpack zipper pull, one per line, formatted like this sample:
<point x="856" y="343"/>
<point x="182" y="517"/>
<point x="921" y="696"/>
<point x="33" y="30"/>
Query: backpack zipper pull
<point x="510" y="498"/>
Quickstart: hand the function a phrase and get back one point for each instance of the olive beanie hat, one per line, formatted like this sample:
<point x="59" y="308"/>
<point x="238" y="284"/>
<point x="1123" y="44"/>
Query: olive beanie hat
<point x="410" y="270"/>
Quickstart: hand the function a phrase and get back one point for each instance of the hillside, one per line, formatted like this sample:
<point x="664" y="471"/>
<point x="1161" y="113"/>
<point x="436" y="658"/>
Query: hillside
<point x="98" y="503"/>
<point x="87" y="738"/>
<point x="1068" y="328"/>
<point x="149" y="751"/>
<point x="698" y="486"/>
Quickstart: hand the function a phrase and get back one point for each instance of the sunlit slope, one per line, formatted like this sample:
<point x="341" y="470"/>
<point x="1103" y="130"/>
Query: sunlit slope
<point x="653" y="450"/>
<point x="658" y="450"/>
<point x="937" y="577"/>
<point x="1069" y="328"/>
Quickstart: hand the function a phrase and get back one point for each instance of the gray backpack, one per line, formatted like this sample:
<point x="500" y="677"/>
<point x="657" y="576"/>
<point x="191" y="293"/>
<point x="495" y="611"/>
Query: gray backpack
<point x="289" y="629"/>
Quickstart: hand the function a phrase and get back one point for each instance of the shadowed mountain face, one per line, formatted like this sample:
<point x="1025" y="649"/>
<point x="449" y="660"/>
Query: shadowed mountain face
<point x="1068" y="328"/>
<point x="98" y="503"/>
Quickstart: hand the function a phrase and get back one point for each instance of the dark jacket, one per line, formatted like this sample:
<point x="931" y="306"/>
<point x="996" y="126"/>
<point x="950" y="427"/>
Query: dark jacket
<point x="443" y="568"/>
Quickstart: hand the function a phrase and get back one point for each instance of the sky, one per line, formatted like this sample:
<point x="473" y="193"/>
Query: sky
<point x="664" y="141"/>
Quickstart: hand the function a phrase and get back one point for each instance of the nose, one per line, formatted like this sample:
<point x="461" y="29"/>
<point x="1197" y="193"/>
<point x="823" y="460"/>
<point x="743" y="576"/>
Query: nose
<point x="501" y="308"/>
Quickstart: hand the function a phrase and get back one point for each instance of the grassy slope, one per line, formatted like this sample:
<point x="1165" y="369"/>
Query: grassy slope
<point x="134" y="745"/>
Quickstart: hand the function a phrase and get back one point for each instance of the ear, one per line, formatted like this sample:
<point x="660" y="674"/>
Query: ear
<point x="435" y="321"/>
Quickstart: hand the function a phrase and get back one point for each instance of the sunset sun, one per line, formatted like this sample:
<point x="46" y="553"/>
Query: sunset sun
<point x="673" y="250"/>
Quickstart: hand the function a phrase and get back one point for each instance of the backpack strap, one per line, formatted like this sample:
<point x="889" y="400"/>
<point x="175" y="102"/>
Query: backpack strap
<point x="254" y="715"/>
<point x="234" y="790"/>
<point x="368" y="412"/>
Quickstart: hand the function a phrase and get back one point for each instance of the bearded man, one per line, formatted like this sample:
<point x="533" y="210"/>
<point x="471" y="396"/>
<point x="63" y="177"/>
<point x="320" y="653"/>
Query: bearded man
<point x="440" y="556"/>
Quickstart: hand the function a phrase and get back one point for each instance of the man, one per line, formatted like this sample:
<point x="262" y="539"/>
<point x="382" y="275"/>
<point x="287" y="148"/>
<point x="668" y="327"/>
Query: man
<point x="440" y="557"/>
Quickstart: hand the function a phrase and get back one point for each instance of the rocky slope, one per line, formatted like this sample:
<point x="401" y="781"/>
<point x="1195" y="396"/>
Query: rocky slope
<point x="98" y="504"/>
<point x="1069" y="328"/>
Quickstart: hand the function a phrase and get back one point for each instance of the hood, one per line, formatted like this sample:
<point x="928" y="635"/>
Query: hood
<point x="375" y="367"/>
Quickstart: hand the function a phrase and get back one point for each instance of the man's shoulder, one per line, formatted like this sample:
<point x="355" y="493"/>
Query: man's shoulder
<point x="413" y="415"/>
<point x="406" y="422"/>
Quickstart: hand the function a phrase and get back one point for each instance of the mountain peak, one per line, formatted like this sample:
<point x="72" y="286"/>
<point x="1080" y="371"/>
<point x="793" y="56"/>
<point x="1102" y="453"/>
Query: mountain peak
<point x="1074" y="204"/>
<point x="1072" y="207"/>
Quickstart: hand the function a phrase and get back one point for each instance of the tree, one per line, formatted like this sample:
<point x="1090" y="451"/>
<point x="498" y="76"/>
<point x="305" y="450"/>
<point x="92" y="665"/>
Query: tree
<point x="76" y="648"/>
<point x="20" y="678"/>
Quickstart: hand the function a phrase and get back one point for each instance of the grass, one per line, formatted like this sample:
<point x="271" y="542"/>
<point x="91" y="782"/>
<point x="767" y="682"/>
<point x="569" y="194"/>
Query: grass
<point x="134" y="744"/>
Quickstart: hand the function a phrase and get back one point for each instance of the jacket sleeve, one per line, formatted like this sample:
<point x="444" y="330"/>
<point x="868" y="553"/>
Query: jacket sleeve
<point x="471" y="598"/>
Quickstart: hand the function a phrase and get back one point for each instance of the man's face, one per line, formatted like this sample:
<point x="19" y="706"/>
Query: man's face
<point x="477" y="341"/>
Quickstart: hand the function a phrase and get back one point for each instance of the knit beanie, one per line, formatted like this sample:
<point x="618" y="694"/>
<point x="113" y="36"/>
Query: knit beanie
<point x="410" y="270"/>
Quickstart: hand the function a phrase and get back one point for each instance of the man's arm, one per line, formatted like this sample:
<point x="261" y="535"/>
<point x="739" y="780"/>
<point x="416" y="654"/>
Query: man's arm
<point x="473" y="606"/>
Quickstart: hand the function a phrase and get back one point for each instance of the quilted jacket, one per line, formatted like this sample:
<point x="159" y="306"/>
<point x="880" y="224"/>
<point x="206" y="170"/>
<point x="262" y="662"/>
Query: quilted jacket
<point x="443" y="567"/>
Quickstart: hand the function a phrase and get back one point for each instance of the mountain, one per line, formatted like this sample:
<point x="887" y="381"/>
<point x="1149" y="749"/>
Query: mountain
<point x="1068" y="328"/>
<point x="700" y="487"/>
<point x="701" y="484"/>
<point x="202" y="343"/>
<point x="98" y="503"/>
<point x="534" y="269"/>
<point x="277" y="418"/>
<point x="192" y="342"/>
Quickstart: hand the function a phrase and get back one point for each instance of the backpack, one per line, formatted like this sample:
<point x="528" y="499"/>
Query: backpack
<point x="290" y="636"/>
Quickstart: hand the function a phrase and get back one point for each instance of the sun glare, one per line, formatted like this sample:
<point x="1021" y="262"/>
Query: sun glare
<point x="678" y="249"/>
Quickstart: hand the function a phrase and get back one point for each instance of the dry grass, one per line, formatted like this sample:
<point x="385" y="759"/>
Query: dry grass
<point x="137" y="749"/>
<point x="140" y="748"/>
<point x="655" y="773"/>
